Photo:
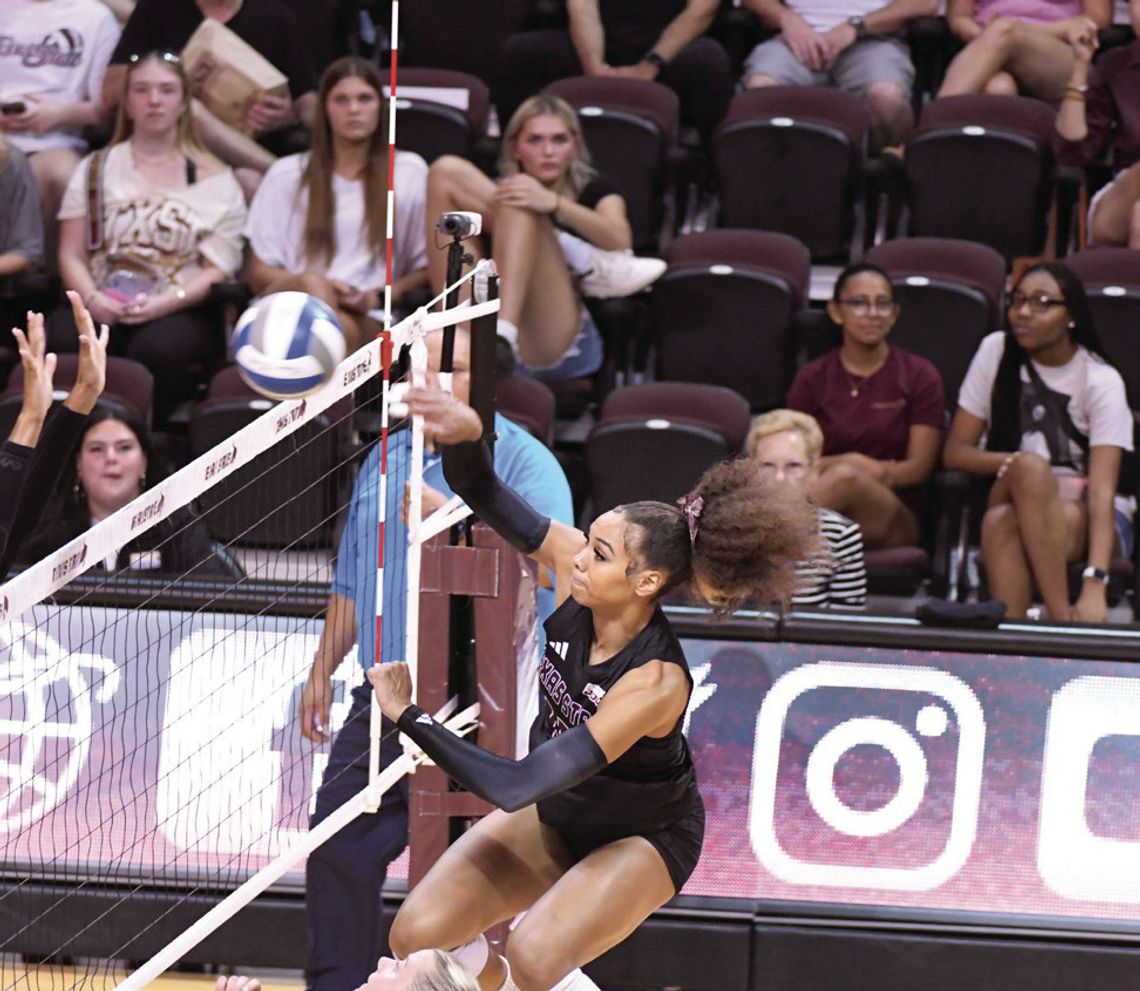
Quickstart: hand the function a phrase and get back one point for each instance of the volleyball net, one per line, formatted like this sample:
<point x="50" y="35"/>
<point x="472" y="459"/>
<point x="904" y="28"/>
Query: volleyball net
<point x="151" y="757"/>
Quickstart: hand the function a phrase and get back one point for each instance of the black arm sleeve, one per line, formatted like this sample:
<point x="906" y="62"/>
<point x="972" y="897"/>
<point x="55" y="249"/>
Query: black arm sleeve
<point x="43" y="467"/>
<point x="554" y="766"/>
<point x="467" y="468"/>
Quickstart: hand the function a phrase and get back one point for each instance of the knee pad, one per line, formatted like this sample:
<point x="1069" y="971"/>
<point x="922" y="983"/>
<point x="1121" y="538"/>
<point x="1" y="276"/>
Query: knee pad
<point x="473" y="954"/>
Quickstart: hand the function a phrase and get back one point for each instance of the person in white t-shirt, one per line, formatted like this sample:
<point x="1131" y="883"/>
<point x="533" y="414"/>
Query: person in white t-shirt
<point x="855" y="46"/>
<point x="169" y="228"/>
<point x="1059" y="425"/>
<point x="53" y="55"/>
<point x="318" y="221"/>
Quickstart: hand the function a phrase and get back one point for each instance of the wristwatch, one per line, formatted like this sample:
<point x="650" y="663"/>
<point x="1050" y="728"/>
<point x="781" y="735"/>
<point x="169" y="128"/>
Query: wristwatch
<point x="859" y="25"/>
<point x="1098" y="573"/>
<point x="655" y="59"/>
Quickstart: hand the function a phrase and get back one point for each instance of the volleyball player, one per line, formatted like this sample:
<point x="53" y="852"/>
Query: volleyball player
<point x="602" y="822"/>
<point x="40" y="444"/>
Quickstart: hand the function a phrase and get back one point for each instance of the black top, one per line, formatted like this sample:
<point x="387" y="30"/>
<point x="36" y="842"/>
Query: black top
<point x="597" y="189"/>
<point x="632" y="27"/>
<point x="268" y="26"/>
<point x="29" y="477"/>
<point x="652" y="784"/>
<point x="173" y="546"/>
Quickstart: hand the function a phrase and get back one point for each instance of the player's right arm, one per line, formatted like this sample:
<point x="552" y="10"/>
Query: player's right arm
<point x="337" y="638"/>
<point x="457" y="428"/>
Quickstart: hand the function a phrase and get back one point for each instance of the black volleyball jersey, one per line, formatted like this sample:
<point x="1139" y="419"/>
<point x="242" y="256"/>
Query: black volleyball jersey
<point x="653" y="783"/>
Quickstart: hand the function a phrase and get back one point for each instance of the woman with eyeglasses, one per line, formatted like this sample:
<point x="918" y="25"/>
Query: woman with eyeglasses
<point x="881" y="412"/>
<point x="149" y="224"/>
<point x="1057" y="423"/>
<point x="785" y="446"/>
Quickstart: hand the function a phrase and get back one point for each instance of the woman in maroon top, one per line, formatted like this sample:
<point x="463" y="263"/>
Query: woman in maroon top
<point x="881" y="411"/>
<point x="1098" y="116"/>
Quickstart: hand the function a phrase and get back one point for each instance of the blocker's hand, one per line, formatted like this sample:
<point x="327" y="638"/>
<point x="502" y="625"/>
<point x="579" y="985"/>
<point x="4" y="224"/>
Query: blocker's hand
<point x="447" y="420"/>
<point x="392" y="683"/>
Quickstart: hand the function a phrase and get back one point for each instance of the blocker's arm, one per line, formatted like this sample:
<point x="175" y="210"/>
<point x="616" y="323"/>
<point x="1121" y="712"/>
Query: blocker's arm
<point x="511" y="785"/>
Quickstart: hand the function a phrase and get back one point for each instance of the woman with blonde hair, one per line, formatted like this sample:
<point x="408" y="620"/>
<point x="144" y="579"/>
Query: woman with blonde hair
<point x="785" y="446"/>
<point x="319" y="219"/>
<point x="559" y="232"/>
<point x="149" y="224"/>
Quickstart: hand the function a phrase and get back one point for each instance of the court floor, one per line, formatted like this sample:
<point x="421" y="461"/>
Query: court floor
<point x="99" y="977"/>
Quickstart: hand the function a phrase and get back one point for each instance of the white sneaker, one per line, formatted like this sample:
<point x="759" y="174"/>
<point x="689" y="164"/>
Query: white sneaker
<point x="620" y="273"/>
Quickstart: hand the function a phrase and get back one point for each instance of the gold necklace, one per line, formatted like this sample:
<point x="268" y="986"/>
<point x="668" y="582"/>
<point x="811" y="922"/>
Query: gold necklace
<point x="856" y="382"/>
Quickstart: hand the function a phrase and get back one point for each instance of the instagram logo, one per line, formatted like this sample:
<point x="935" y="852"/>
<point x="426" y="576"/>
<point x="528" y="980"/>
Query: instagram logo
<point x="930" y="727"/>
<point x="1073" y="860"/>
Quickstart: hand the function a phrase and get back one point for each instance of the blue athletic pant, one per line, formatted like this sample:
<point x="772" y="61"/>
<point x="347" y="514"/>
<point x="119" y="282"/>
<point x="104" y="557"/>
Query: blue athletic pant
<point x="344" y="875"/>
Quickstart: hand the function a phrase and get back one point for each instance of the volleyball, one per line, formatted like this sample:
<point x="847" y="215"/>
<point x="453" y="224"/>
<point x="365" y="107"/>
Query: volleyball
<point x="288" y="344"/>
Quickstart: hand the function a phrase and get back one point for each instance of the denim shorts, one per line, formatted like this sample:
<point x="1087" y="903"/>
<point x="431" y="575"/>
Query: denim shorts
<point x="1125" y="534"/>
<point x="582" y="358"/>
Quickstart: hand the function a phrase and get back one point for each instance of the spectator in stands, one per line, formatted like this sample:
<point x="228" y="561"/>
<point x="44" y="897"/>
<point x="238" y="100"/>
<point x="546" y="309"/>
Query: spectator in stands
<point x="1058" y="426"/>
<point x="881" y="412"/>
<point x="655" y="41"/>
<point x="52" y="62"/>
<point x="113" y="463"/>
<point x="558" y="231"/>
<point x="786" y="446"/>
<point x="319" y="219"/>
<point x="1020" y="46"/>
<point x="855" y="46"/>
<point x="170" y="228"/>
<point x="21" y="226"/>
<point x="1094" y="117"/>
<point x="34" y="455"/>
<point x="344" y="875"/>
<point x="267" y="26"/>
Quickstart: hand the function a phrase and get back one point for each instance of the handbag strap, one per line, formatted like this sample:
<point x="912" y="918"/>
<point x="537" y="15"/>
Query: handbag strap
<point x="1060" y="414"/>
<point x="95" y="200"/>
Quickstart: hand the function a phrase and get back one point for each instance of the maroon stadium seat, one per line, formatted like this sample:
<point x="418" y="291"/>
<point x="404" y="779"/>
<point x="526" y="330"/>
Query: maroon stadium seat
<point x="790" y="159"/>
<point x="724" y="311"/>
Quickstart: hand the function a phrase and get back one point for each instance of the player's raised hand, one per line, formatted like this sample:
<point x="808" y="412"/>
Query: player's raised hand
<point x="392" y="682"/>
<point x="92" y="373"/>
<point x="447" y="420"/>
<point x="38" y="371"/>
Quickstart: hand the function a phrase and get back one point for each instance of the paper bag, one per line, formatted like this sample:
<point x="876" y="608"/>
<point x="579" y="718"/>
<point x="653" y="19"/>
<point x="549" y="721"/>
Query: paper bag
<point x="227" y="74"/>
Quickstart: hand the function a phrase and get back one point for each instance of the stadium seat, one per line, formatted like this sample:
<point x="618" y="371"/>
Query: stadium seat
<point x="246" y="507"/>
<point x="129" y="388"/>
<point x="980" y="168"/>
<point x="631" y="129"/>
<point x="653" y="441"/>
<point x="950" y="296"/>
<point x="430" y="124"/>
<point x="790" y="159"/>
<point x="529" y="403"/>
<point x="725" y="308"/>
<point x="1111" y="277"/>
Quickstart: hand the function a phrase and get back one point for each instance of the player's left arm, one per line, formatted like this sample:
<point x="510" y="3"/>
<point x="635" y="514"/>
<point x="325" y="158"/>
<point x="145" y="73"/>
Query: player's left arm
<point x="646" y="701"/>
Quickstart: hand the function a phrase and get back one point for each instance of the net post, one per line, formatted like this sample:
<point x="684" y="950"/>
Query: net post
<point x="483" y="358"/>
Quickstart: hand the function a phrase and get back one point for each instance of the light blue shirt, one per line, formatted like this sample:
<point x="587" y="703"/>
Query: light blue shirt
<point x="522" y="461"/>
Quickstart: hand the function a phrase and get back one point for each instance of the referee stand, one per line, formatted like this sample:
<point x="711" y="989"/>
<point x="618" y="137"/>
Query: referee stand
<point x="500" y="584"/>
